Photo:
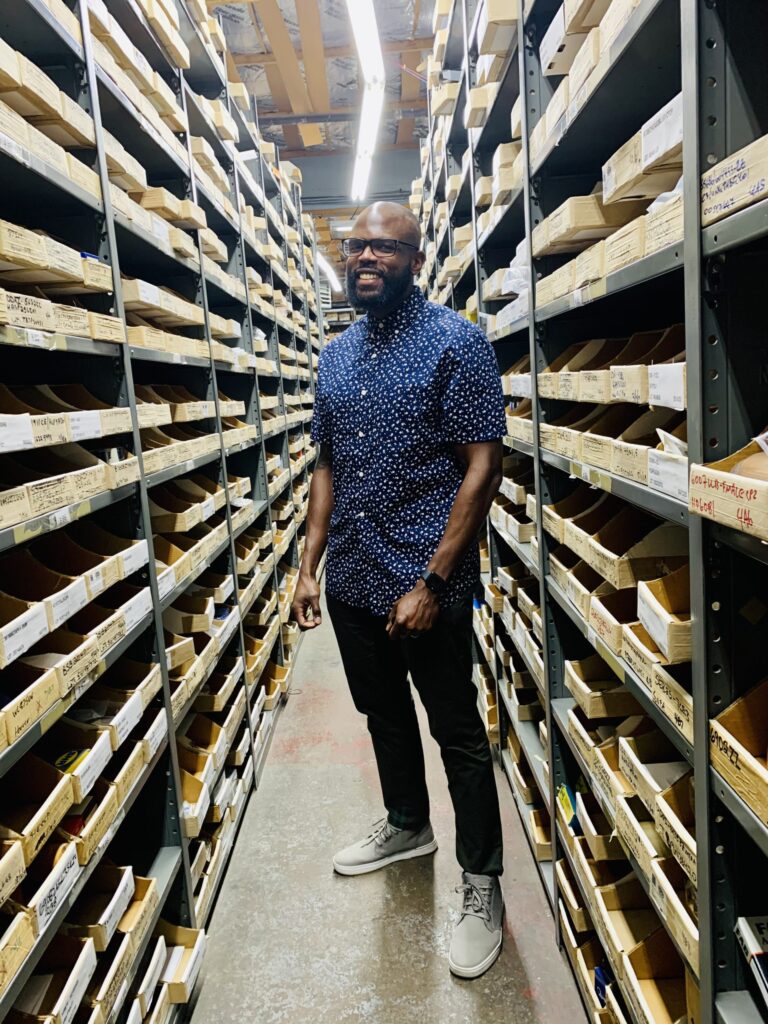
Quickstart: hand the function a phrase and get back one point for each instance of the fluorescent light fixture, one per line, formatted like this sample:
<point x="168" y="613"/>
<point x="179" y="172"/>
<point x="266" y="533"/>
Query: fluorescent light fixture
<point x="329" y="272"/>
<point x="366" y="32"/>
<point x="362" y="17"/>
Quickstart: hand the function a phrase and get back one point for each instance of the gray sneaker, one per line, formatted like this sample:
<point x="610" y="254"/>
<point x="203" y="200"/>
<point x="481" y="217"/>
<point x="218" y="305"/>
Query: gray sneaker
<point x="477" y="937"/>
<point x="385" y="845"/>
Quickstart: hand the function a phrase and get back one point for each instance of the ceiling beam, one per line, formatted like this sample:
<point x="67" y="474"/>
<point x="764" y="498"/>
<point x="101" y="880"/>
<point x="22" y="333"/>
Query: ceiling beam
<point x="387" y="46"/>
<point x="411" y="109"/>
<point x="292" y="154"/>
<point x="311" y="31"/>
<point x="276" y="87"/>
<point x="288" y="66"/>
<point x="410" y="88"/>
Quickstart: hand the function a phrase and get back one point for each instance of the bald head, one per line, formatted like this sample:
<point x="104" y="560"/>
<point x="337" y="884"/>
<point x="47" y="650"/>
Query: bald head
<point x="388" y="220"/>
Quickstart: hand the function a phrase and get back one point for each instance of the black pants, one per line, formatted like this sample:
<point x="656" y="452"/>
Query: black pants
<point x="440" y="665"/>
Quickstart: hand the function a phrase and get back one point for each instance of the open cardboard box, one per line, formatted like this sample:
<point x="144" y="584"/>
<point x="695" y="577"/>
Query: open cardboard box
<point x="197" y="798"/>
<point x="34" y="797"/>
<point x="578" y="915"/>
<point x="79" y="750"/>
<point x="597" y="441"/>
<point x="561" y="563"/>
<point x="597" y="830"/>
<point x="241" y="746"/>
<point x="138" y="914"/>
<point x="131" y="555"/>
<point x="640" y="652"/>
<point x="672" y="692"/>
<point x="664" y="608"/>
<point x="30" y="691"/>
<point x="609" y="613"/>
<point x="149" y="980"/>
<point x="654" y="981"/>
<point x="632" y="545"/>
<point x="220" y="686"/>
<point x="17" y="938"/>
<point x="629" y="375"/>
<point x="205" y="739"/>
<point x="593" y="874"/>
<point x="70" y="963"/>
<point x="587" y="734"/>
<point x="86" y="824"/>
<point x="596" y="689"/>
<point x="125" y="768"/>
<point x="580" y="221"/>
<point x="108" y="987"/>
<point x="637" y="830"/>
<point x="48" y="882"/>
<point x="555" y="516"/>
<point x="564" y="435"/>
<point x="524" y="783"/>
<point x="584" y="584"/>
<point x="625" y="917"/>
<point x="590" y="956"/>
<point x="631" y="451"/>
<point x="26" y="578"/>
<point x="102" y="903"/>
<point x="182" y="970"/>
<point x="668" y="889"/>
<point x="580" y="528"/>
<point x="189" y="614"/>
<point x="651" y="763"/>
<point x="676" y="822"/>
<point x="607" y="777"/>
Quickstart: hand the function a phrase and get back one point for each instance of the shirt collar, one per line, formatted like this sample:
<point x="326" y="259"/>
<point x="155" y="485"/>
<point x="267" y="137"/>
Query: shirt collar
<point x="399" y="319"/>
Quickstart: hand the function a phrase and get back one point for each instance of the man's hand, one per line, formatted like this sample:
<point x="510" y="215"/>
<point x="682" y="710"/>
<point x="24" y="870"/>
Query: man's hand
<point x="414" y="613"/>
<point x="306" y="600"/>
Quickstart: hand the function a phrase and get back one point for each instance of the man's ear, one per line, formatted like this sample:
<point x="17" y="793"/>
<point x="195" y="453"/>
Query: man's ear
<point x="417" y="261"/>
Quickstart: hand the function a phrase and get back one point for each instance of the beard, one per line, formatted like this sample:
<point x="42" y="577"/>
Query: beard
<point x="394" y="290"/>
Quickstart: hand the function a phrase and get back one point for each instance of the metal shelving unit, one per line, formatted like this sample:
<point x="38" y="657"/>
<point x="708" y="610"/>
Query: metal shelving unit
<point x="711" y="282"/>
<point x="147" y="829"/>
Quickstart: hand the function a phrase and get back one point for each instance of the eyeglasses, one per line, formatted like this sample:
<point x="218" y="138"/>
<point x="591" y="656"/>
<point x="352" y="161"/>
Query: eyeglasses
<point x="381" y="247"/>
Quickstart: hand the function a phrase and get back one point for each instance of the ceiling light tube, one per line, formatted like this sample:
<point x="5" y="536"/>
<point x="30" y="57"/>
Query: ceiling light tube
<point x="366" y="32"/>
<point x="329" y="272"/>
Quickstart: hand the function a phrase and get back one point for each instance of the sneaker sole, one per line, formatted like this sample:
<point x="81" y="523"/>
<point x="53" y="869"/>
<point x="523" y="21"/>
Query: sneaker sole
<point x="478" y="969"/>
<point x="366" y="869"/>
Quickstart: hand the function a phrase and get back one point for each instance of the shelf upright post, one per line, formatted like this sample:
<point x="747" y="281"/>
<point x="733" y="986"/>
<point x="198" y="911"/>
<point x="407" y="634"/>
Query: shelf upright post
<point x="172" y="826"/>
<point x="202" y="297"/>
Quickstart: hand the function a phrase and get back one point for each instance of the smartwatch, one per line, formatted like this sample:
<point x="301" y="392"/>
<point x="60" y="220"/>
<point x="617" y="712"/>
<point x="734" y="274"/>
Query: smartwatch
<point x="435" y="583"/>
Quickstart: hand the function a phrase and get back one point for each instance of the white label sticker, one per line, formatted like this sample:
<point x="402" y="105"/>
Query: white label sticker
<point x="16" y="433"/>
<point x="666" y="385"/>
<point x="149" y="293"/>
<point x="668" y="474"/>
<point x="56" y="886"/>
<point x="165" y="583"/>
<point x="128" y="717"/>
<point x="94" y="764"/>
<point x="156" y="732"/>
<point x="64" y="604"/>
<point x="60" y="518"/>
<point x="135" y="609"/>
<point x="20" y="634"/>
<point x="86" y="423"/>
<point x="209" y="507"/>
<point x="134" y="557"/>
<point x="37" y="339"/>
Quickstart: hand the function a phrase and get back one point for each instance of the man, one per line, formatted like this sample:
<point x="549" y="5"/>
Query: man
<point x="409" y="416"/>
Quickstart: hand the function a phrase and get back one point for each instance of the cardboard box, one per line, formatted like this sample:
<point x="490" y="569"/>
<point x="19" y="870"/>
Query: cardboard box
<point x="662" y="138"/>
<point x="558" y="48"/>
<point x="609" y="613"/>
<point x="613" y="21"/>
<point x="637" y="829"/>
<point x="629" y="374"/>
<point x="664" y="608"/>
<point x="87" y="829"/>
<point x="583" y="586"/>
<point x="105" y="898"/>
<point x="651" y="764"/>
<point x="671" y="691"/>
<point x="624" y="918"/>
<point x="654" y="980"/>
<point x="496" y="28"/>
<point x="625" y="246"/>
<point x="17" y="938"/>
<point x="598" y="831"/>
<point x="596" y="690"/>
<point x="181" y="973"/>
<point x="632" y="546"/>
<point x="35" y="797"/>
<point x="640" y="652"/>
<point x="718" y="492"/>
<point x="624" y="176"/>
<point x="738" y="743"/>
<point x="70" y="964"/>
<point x="631" y="451"/>
<point x="675" y="821"/>
<point x="735" y="183"/>
<point x="668" y="886"/>
<point x="582" y="220"/>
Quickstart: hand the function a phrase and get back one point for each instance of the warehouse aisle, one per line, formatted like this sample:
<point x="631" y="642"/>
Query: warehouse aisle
<point x="292" y="943"/>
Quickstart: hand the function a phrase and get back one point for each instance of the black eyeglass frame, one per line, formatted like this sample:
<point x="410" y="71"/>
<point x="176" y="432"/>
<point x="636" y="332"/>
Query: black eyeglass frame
<point x="372" y="242"/>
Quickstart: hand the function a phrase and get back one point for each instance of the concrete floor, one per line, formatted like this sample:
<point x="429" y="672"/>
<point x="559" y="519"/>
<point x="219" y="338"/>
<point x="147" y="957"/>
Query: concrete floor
<point x="290" y="942"/>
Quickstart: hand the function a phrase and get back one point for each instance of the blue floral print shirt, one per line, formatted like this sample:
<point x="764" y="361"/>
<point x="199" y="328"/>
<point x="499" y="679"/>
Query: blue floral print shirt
<point x="393" y="397"/>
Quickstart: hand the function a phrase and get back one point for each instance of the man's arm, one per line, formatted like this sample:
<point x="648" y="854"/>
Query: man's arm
<point x="307" y="596"/>
<point x="418" y="610"/>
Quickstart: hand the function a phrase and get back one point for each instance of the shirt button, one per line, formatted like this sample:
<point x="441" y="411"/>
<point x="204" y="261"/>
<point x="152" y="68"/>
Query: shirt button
<point x="360" y="472"/>
<point x="364" y="392"/>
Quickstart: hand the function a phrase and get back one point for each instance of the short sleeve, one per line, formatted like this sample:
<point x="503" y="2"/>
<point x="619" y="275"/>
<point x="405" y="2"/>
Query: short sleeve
<point x="321" y="416"/>
<point x="473" y="399"/>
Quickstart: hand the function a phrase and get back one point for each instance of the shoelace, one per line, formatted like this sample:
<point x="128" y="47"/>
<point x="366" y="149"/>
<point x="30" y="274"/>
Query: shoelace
<point x="382" y="831"/>
<point x="477" y="900"/>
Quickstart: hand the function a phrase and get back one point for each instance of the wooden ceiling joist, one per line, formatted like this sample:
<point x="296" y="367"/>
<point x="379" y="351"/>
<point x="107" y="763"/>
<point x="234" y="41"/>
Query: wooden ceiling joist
<point x="288" y="67"/>
<point x="387" y="46"/>
<point x="410" y="87"/>
<point x="313" y="53"/>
